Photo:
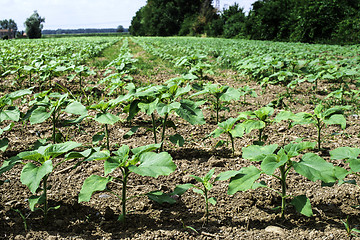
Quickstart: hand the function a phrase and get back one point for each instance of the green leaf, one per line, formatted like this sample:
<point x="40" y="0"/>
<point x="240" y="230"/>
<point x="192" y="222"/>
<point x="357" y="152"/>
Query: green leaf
<point x="160" y="197"/>
<point x="302" y="205"/>
<point x="209" y="175"/>
<point x="258" y="153"/>
<point x="31" y="175"/>
<point x="354" y="164"/>
<point x="92" y="184"/>
<point x="4" y="144"/>
<point x="294" y="149"/>
<point x="101" y="155"/>
<point x="230" y="94"/>
<point x="251" y="124"/>
<point x="212" y="200"/>
<point x="177" y="139"/>
<point x="198" y="179"/>
<point x="148" y="108"/>
<point x="12" y="114"/>
<point x="106" y="118"/>
<point x="9" y="163"/>
<point x="39" y="115"/>
<point x="7" y="128"/>
<point x="244" y="180"/>
<point x="284" y="116"/>
<point x="315" y="168"/>
<point x="181" y="189"/>
<point x="112" y="163"/>
<point x="217" y="132"/>
<point x="272" y="162"/>
<point x="19" y="94"/>
<point x="264" y="112"/>
<point x="97" y="138"/>
<point x="58" y="149"/>
<point x="336" y="119"/>
<point x="76" y="108"/>
<point x="146" y="148"/>
<point x="131" y="132"/>
<point x="238" y="131"/>
<point x="344" y="153"/>
<point x="33" y="200"/>
<point x="162" y="108"/>
<point x="189" y="111"/>
<point x="74" y="155"/>
<point x="154" y="164"/>
<point x="223" y="176"/>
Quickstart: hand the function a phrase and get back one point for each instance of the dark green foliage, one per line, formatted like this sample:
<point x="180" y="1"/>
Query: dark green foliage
<point x="166" y="18"/>
<point x="34" y="25"/>
<point x="312" y="21"/>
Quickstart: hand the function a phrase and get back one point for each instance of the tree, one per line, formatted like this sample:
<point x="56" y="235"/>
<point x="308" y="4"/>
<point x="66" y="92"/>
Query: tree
<point x="234" y="21"/>
<point x="34" y="25"/>
<point x="172" y="17"/>
<point x="9" y="25"/>
<point x="120" y="28"/>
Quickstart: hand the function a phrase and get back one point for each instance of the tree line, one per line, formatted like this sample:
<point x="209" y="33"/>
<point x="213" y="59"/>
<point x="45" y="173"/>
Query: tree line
<point x="312" y="21"/>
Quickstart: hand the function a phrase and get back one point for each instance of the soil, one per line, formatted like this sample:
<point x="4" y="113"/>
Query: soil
<point x="244" y="215"/>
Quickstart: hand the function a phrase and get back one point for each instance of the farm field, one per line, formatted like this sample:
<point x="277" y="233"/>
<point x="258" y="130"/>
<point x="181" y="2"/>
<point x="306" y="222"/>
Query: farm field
<point x="210" y="138"/>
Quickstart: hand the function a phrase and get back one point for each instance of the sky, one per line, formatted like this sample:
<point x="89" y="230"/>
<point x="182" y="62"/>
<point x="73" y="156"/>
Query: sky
<point x="73" y="14"/>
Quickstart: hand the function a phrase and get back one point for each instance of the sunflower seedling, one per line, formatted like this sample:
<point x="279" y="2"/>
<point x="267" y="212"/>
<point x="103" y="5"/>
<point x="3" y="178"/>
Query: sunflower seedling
<point x="310" y="166"/>
<point x="141" y="161"/>
<point x="227" y="127"/>
<point x="38" y="171"/>
<point x="207" y="185"/>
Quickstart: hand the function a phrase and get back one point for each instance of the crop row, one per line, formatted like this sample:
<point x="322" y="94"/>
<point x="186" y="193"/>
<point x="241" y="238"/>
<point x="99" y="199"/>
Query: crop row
<point x="183" y="97"/>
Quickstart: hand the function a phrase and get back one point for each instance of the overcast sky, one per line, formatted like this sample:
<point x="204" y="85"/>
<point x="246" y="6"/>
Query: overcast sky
<point x="72" y="14"/>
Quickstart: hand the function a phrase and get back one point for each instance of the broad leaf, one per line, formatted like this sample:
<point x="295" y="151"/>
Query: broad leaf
<point x="189" y="111"/>
<point x="302" y="205"/>
<point x="162" y="108"/>
<point x="12" y="114"/>
<point x="4" y="144"/>
<point x="92" y="184"/>
<point x="251" y="124"/>
<point x="336" y="119"/>
<point x="223" y="176"/>
<point x="154" y="164"/>
<point x="244" y="180"/>
<point x="160" y="197"/>
<point x="106" y="118"/>
<point x="58" y="149"/>
<point x="39" y="115"/>
<point x="177" y="139"/>
<point x="9" y="163"/>
<point x="345" y="153"/>
<point x="33" y="200"/>
<point x="258" y="153"/>
<point x="76" y="108"/>
<point x="31" y="175"/>
<point x="315" y="168"/>
<point x="272" y="162"/>
<point x="181" y="189"/>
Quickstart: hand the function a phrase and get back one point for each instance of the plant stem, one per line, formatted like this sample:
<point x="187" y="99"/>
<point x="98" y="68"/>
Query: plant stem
<point x="217" y="109"/>
<point x="53" y="127"/>
<point x="232" y="143"/>
<point x="154" y="126"/>
<point x="124" y="181"/>
<point x="107" y="137"/>
<point x="319" y="127"/>
<point x="163" y="131"/>
<point x="283" y="190"/>
<point x="260" y="133"/>
<point x="207" y="204"/>
<point x="45" y="197"/>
